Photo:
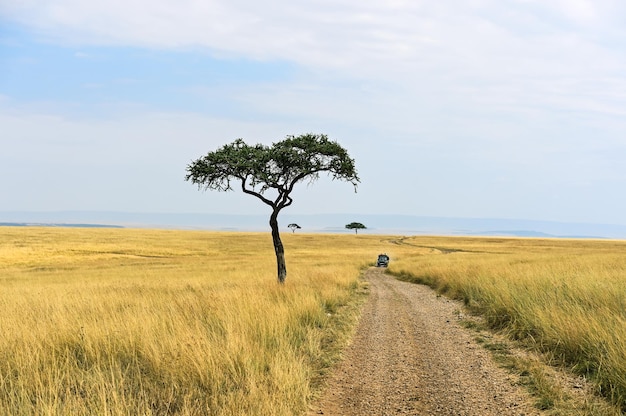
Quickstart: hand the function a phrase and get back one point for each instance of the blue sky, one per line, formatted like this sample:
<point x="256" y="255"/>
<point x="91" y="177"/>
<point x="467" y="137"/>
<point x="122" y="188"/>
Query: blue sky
<point x="484" y="109"/>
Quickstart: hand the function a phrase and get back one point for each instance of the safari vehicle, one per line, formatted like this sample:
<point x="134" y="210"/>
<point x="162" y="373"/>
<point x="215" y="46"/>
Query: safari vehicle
<point x="383" y="260"/>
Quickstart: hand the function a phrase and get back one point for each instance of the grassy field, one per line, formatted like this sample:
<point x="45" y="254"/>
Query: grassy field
<point x="121" y="321"/>
<point x="564" y="298"/>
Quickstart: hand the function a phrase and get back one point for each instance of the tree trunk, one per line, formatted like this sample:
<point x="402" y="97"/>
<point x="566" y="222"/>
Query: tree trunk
<point x="278" y="248"/>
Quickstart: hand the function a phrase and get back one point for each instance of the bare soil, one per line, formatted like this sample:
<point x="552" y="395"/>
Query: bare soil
<point x="411" y="356"/>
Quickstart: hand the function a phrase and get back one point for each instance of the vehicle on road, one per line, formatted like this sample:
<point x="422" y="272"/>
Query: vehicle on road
<point x="383" y="260"/>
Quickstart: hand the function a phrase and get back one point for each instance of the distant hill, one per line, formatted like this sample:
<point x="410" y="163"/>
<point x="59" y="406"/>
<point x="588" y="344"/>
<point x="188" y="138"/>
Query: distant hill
<point x="328" y="223"/>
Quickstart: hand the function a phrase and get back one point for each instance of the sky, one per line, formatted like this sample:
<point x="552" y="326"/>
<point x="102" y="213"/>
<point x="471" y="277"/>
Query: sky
<point x="473" y="108"/>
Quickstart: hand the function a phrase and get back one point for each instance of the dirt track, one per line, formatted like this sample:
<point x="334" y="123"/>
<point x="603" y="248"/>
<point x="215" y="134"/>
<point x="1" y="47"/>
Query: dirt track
<point x="411" y="356"/>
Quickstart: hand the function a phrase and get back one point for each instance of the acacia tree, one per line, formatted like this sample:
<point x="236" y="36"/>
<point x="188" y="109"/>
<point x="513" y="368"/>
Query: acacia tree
<point x="356" y="226"/>
<point x="294" y="227"/>
<point x="270" y="173"/>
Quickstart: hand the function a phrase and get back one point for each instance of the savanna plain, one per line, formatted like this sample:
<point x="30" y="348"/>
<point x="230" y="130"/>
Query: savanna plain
<point x="126" y="321"/>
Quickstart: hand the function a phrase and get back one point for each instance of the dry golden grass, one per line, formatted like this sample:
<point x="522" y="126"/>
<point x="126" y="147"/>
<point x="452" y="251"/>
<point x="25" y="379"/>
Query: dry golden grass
<point x="566" y="298"/>
<point x="119" y="321"/>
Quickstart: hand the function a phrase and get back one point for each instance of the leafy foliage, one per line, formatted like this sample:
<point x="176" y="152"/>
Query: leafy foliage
<point x="355" y="226"/>
<point x="280" y="166"/>
<point x="294" y="227"/>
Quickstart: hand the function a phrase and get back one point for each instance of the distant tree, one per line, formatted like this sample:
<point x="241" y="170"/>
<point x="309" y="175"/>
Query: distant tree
<point x="356" y="226"/>
<point x="276" y="168"/>
<point x="294" y="227"/>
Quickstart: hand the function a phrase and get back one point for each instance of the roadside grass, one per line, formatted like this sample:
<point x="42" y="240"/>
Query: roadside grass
<point x="153" y="322"/>
<point x="121" y="321"/>
<point x="565" y="299"/>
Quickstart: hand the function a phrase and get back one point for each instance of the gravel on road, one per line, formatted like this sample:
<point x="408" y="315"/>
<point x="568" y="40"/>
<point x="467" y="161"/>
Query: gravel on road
<point x="411" y="356"/>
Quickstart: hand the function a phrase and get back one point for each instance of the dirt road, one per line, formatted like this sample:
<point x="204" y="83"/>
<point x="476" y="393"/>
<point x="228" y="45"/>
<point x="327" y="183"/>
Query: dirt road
<point x="411" y="356"/>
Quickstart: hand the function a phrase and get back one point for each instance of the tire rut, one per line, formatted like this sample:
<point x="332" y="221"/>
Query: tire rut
<point x="411" y="356"/>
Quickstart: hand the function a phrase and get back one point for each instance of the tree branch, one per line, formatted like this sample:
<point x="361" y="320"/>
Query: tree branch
<point x="258" y="195"/>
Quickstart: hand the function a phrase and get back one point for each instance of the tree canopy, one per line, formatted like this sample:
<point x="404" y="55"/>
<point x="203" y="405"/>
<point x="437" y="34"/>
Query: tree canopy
<point x="258" y="169"/>
<point x="280" y="167"/>
<point x="356" y="226"/>
<point x="294" y="227"/>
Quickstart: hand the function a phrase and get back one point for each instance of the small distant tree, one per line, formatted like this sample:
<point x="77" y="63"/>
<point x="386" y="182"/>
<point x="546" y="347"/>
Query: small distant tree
<point x="274" y="169"/>
<point x="294" y="227"/>
<point x="356" y="226"/>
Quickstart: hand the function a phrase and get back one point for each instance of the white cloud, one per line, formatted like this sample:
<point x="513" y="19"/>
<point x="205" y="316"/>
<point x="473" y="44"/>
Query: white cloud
<point x="449" y="43"/>
<point x="528" y="95"/>
<point x="346" y="30"/>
